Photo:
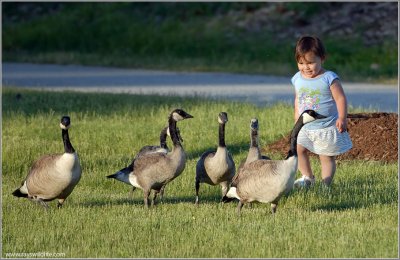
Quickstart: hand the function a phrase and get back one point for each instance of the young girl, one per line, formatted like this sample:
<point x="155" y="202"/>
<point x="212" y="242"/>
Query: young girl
<point x="320" y="90"/>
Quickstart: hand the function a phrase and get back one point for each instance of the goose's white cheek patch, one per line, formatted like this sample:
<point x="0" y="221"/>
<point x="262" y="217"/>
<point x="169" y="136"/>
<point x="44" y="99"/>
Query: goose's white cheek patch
<point x="64" y="127"/>
<point x="307" y="118"/>
<point x="177" y="117"/>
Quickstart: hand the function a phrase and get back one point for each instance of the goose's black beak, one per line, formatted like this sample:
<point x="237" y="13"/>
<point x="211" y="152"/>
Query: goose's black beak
<point x="188" y="116"/>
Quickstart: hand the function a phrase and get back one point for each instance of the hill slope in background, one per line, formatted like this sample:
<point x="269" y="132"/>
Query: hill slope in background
<point x="373" y="22"/>
<point x="361" y="37"/>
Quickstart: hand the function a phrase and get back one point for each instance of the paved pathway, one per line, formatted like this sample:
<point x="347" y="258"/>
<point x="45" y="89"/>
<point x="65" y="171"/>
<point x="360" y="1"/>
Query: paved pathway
<point x="258" y="89"/>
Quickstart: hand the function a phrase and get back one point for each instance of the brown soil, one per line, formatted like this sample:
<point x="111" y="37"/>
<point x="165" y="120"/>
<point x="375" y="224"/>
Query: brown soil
<point x="374" y="137"/>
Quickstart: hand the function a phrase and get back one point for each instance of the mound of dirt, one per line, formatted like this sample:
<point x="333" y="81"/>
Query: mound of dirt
<point x="374" y="137"/>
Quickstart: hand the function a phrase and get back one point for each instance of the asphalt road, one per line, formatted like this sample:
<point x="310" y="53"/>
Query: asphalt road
<point x="261" y="90"/>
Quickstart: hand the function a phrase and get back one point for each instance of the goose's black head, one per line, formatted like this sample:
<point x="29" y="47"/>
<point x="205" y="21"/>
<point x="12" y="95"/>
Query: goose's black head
<point x="65" y="122"/>
<point x="222" y="118"/>
<point x="254" y="124"/>
<point x="179" y="114"/>
<point x="310" y="115"/>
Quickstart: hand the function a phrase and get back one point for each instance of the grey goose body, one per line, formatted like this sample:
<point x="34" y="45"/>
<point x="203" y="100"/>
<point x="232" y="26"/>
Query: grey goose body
<point x="53" y="176"/>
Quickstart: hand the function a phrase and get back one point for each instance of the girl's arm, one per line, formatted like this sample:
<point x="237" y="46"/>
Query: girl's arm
<point x="296" y="111"/>
<point x="341" y="104"/>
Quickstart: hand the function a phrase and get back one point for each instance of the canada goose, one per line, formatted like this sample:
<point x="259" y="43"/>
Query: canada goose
<point x="162" y="148"/>
<point x="267" y="180"/>
<point x="53" y="176"/>
<point x="153" y="171"/>
<point x="216" y="167"/>
<point x="254" y="150"/>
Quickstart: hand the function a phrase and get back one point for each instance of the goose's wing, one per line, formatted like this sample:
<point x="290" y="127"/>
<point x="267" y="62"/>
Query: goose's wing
<point x="150" y="149"/>
<point x="43" y="179"/>
<point x="232" y="166"/>
<point x="42" y="164"/>
<point x="259" y="168"/>
<point x="208" y="154"/>
<point x="147" y="161"/>
<point x="231" y="159"/>
<point x="200" y="166"/>
<point x="251" y="157"/>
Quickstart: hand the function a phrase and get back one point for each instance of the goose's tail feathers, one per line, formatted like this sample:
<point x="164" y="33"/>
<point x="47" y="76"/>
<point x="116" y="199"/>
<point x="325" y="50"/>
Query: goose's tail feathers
<point x="231" y="195"/>
<point x="19" y="193"/>
<point x="113" y="176"/>
<point x="122" y="175"/>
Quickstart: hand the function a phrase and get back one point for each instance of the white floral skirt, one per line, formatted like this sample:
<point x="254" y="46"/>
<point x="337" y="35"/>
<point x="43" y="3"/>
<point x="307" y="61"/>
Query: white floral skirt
<point x="327" y="141"/>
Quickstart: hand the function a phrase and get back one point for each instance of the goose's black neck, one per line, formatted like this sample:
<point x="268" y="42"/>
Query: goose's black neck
<point x="68" y="148"/>
<point x="254" y="136"/>
<point x="173" y="132"/>
<point x="293" y="138"/>
<point x="163" y="138"/>
<point x="221" y="134"/>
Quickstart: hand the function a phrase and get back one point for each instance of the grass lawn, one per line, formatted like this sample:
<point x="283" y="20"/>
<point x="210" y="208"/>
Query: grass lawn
<point x="356" y="218"/>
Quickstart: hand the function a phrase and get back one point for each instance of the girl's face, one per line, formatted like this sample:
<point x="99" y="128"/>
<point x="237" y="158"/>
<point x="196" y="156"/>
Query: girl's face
<point x="310" y="65"/>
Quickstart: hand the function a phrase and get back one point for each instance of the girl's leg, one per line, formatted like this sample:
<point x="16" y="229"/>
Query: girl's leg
<point x="304" y="162"/>
<point x="305" y="168"/>
<point x="328" y="168"/>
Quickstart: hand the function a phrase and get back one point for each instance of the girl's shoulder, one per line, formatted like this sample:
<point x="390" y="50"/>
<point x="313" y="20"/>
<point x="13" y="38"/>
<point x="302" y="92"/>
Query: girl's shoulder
<point x="295" y="77"/>
<point x="330" y="76"/>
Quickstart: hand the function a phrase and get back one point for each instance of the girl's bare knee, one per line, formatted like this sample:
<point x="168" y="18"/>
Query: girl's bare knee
<point x="301" y="150"/>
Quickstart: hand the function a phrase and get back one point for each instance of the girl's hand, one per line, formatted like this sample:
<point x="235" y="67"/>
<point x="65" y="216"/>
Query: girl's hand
<point x="341" y="125"/>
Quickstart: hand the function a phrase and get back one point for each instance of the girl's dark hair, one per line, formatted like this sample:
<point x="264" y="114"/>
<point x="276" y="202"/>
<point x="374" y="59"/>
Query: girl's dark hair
<point x="309" y="44"/>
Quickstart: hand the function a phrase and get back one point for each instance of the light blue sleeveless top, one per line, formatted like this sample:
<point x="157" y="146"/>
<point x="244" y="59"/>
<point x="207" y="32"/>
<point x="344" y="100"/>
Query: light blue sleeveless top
<point x="315" y="94"/>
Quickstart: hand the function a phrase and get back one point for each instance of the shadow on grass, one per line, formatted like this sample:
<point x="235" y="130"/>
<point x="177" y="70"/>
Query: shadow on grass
<point x="348" y="204"/>
<point x="234" y="149"/>
<point x="357" y="195"/>
<point x="31" y="102"/>
<point x="136" y="201"/>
